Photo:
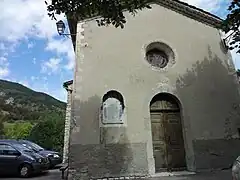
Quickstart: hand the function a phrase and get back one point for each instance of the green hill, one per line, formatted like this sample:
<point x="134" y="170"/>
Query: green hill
<point x="18" y="102"/>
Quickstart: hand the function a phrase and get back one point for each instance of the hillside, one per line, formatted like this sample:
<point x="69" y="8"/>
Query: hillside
<point x="18" y="102"/>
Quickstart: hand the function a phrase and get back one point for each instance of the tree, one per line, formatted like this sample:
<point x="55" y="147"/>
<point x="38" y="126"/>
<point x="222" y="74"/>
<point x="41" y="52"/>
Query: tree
<point x="231" y="25"/>
<point x="1" y="126"/>
<point x="17" y="130"/>
<point x="49" y="133"/>
<point x="110" y="11"/>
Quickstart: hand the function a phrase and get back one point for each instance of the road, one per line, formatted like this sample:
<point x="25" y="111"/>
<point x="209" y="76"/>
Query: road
<point x="54" y="174"/>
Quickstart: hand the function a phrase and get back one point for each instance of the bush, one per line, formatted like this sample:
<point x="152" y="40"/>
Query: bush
<point x="1" y="128"/>
<point x="17" y="130"/>
<point x="49" y="134"/>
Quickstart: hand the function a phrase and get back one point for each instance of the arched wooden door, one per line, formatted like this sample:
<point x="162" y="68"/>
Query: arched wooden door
<point x="167" y="136"/>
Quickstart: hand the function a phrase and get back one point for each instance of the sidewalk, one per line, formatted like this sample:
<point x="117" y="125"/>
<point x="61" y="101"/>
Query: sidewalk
<point x="216" y="175"/>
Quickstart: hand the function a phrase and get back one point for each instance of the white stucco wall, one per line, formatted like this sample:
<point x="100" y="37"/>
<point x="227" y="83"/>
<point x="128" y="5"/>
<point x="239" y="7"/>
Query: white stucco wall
<point x="201" y="78"/>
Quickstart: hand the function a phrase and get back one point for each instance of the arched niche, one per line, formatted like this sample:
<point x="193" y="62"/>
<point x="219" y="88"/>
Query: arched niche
<point x="113" y="108"/>
<point x="167" y="133"/>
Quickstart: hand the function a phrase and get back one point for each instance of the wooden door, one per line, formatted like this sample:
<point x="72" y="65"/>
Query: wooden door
<point x="158" y="139"/>
<point x="167" y="137"/>
<point x="174" y="140"/>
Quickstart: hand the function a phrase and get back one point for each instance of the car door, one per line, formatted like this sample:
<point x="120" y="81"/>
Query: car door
<point x="1" y="158"/>
<point x="9" y="160"/>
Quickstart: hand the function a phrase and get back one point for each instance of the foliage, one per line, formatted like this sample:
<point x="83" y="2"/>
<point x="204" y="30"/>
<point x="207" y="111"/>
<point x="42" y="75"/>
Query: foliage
<point x="231" y="25"/>
<point x="17" y="130"/>
<point x="238" y="72"/>
<point x="110" y="11"/>
<point x="49" y="133"/>
<point x="1" y="126"/>
<point x="26" y="104"/>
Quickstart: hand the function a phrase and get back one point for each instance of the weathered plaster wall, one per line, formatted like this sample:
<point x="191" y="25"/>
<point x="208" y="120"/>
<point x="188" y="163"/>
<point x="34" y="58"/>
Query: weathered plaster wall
<point x="113" y="59"/>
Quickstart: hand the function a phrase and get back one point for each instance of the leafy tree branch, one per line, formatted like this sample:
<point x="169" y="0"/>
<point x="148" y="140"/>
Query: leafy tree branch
<point x="231" y="25"/>
<point x="109" y="11"/>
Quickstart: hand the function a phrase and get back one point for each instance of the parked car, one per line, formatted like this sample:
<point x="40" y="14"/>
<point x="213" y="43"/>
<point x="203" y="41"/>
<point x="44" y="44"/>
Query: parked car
<point x="236" y="169"/>
<point x="15" y="159"/>
<point x="53" y="156"/>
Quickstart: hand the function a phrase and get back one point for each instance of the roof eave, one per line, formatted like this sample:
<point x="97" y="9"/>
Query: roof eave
<point x="191" y="12"/>
<point x="175" y="5"/>
<point x="72" y="24"/>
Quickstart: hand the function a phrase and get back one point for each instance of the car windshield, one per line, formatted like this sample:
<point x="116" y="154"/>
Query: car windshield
<point x="27" y="146"/>
<point x="33" y="145"/>
<point x="20" y="147"/>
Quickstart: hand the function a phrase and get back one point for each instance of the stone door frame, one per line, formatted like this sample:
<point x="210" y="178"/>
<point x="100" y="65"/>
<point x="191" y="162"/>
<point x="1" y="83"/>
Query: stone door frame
<point x="162" y="112"/>
<point x="186" y="128"/>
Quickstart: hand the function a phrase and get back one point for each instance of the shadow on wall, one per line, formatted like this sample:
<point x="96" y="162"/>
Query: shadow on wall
<point x="99" y="152"/>
<point x="209" y="93"/>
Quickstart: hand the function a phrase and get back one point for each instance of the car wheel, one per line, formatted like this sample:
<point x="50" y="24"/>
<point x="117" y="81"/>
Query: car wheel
<point x="25" y="170"/>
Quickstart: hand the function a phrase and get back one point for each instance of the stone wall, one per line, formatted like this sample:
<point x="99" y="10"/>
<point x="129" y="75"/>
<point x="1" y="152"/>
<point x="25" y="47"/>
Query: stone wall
<point x="215" y="154"/>
<point x="67" y="124"/>
<point x="109" y="160"/>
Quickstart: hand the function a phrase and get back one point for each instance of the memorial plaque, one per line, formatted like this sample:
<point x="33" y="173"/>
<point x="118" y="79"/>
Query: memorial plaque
<point x="112" y="111"/>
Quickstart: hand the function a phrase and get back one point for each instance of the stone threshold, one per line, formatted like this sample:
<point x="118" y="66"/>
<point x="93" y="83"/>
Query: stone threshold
<point x="173" y="173"/>
<point x="161" y="174"/>
<point x="121" y="178"/>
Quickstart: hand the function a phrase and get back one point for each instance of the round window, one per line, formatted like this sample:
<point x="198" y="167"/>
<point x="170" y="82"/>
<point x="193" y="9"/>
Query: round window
<point x="157" y="58"/>
<point x="159" y="55"/>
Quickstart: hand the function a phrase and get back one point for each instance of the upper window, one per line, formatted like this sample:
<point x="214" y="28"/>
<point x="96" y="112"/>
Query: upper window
<point x="159" y="55"/>
<point x="157" y="58"/>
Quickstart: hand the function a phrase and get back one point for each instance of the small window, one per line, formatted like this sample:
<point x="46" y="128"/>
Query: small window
<point x="159" y="55"/>
<point x="157" y="58"/>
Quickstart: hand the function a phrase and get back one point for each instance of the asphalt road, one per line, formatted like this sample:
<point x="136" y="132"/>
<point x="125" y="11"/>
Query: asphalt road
<point x="54" y="174"/>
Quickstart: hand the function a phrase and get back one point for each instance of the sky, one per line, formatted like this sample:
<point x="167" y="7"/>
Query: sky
<point x="33" y="54"/>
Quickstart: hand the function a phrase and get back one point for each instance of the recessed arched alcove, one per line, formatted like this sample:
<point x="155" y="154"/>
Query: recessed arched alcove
<point x="112" y="107"/>
<point x="167" y="134"/>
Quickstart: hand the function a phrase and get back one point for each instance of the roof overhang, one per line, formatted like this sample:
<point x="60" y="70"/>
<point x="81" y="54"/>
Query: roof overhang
<point x="67" y="84"/>
<point x="174" y="5"/>
<point x="72" y="24"/>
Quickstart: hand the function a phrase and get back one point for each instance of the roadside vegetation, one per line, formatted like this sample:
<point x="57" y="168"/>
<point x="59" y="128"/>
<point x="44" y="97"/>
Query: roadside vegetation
<point x="27" y="114"/>
<point x="48" y="132"/>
